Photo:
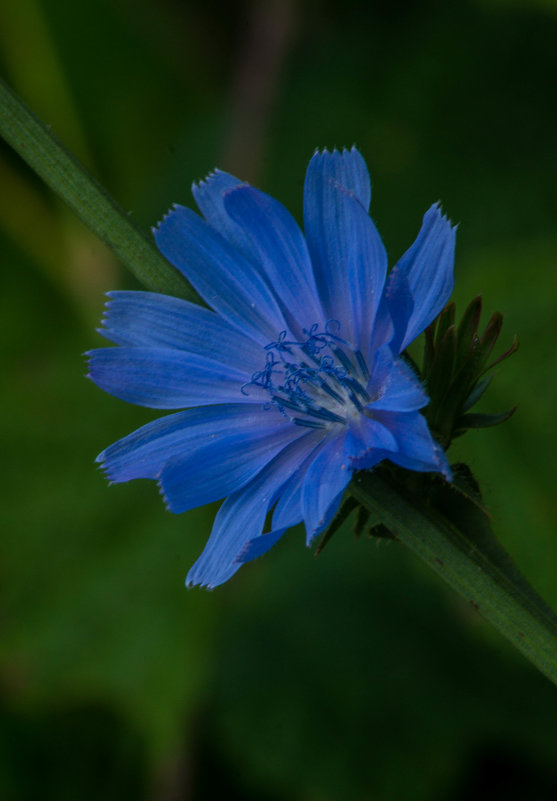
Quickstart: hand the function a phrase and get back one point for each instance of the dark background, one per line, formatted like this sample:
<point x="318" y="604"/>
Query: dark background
<point x="357" y="675"/>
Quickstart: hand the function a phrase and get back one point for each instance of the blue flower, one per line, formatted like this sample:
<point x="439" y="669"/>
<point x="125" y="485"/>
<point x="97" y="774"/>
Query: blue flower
<point x="294" y="380"/>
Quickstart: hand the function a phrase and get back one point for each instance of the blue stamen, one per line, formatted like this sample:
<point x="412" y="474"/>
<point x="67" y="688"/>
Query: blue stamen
<point x="285" y="403"/>
<point x="356" y="387"/>
<point x="325" y="414"/>
<point x="343" y="359"/>
<point x="330" y="391"/>
<point x="334" y="323"/>
<point x="298" y="388"/>
<point x="362" y="364"/>
<point x="354" y="399"/>
<point x="300" y="421"/>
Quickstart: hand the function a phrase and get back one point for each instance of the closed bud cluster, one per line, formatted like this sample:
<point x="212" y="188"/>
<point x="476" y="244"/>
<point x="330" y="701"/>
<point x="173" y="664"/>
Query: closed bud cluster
<point x="457" y="370"/>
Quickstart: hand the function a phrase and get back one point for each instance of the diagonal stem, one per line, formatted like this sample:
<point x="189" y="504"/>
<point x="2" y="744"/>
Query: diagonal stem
<point x="38" y="146"/>
<point x="520" y="615"/>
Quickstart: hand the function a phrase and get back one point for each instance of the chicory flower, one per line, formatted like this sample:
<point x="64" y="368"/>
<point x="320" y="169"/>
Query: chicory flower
<point x="293" y="379"/>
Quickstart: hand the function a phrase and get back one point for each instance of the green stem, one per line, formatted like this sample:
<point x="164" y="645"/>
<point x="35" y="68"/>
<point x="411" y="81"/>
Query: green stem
<point x="38" y="146"/>
<point x="521" y="616"/>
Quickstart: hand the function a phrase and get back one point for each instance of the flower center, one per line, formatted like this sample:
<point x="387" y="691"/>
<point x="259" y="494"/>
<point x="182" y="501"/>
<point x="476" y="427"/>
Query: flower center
<point x="317" y="382"/>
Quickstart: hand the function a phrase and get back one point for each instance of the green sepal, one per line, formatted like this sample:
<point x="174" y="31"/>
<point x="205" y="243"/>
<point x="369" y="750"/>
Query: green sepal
<point x="429" y="349"/>
<point x="468" y="327"/>
<point x="513" y="349"/>
<point x="445" y="320"/>
<point x="455" y="359"/>
<point x="381" y="531"/>
<point x="366" y="523"/>
<point x="481" y="420"/>
<point x="443" y="364"/>
<point x="477" y="392"/>
<point x="361" y="521"/>
<point x="459" y="389"/>
<point x="489" y="337"/>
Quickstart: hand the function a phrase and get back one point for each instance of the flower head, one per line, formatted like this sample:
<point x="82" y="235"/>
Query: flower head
<point x="294" y="379"/>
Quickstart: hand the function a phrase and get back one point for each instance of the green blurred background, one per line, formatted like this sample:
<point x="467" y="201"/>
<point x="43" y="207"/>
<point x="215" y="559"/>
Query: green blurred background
<point x="357" y="675"/>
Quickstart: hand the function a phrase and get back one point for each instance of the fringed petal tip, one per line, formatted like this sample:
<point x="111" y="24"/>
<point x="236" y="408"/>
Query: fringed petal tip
<point x="105" y="330"/>
<point x="213" y="175"/>
<point x="205" y="180"/>
<point x="105" y="464"/>
<point x="116" y="295"/>
<point x="175" y="207"/>
<point x="196" y="578"/>
<point x="442" y="216"/>
<point x="101" y="457"/>
<point x="193" y="581"/>
<point x="103" y="468"/>
<point x="190" y="583"/>
<point x="162" y="493"/>
<point x="332" y="153"/>
<point x="325" y="151"/>
<point x="88" y="357"/>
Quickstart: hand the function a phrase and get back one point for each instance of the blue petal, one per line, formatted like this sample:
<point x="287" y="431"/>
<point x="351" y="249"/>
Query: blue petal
<point x="383" y="328"/>
<point x="221" y="275"/>
<point x="394" y="385"/>
<point x="144" y="453"/>
<point x="417" y="449"/>
<point x="325" y="481"/>
<point x="268" y="236"/>
<point x="420" y="284"/>
<point x="347" y="169"/>
<point x="288" y="510"/>
<point x="241" y="518"/>
<point x="259" y="545"/>
<point x="440" y="466"/>
<point x="348" y="256"/>
<point x="165" y="378"/>
<point x="396" y="309"/>
<point x="281" y="251"/>
<point x="209" y="196"/>
<point x="147" y="319"/>
<point x="219" y="467"/>
<point x="365" y="436"/>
